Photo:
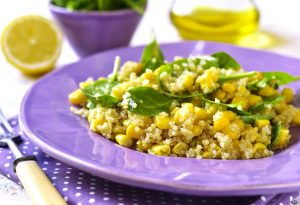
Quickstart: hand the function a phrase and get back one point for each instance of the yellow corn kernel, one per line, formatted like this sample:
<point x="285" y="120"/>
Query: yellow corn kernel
<point x="197" y="130"/>
<point x="220" y="95"/>
<point x="229" y="115"/>
<point x="242" y="90"/>
<point x="188" y="80"/>
<point x="296" y="117"/>
<point x="239" y="123"/>
<point x="236" y="143"/>
<point x="95" y="122"/>
<point x="201" y="114"/>
<point x="77" y="97"/>
<point x="206" y="155"/>
<point x="180" y="148"/>
<point x="188" y="107"/>
<point x="148" y="76"/>
<point x="162" y="121"/>
<point x="220" y="123"/>
<point x="282" y="140"/>
<point x="228" y="87"/>
<point x="260" y="123"/>
<point x="174" y="110"/>
<point x="161" y="150"/>
<point x="118" y="129"/>
<point x="259" y="147"/>
<point x="118" y="92"/>
<point x="124" y="140"/>
<point x="254" y="100"/>
<point x="242" y="100"/>
<point x="134" y="131"/>
<point x="266" y="91"/>
<point x="84" y="84"/>
<point x="288" y="93"/>
<point x="232" y="130"/>
<point x="212" y="110"/>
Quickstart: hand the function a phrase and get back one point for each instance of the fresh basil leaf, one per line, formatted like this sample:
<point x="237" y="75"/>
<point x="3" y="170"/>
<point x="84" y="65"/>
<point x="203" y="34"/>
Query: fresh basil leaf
<point x="99" y="92"/>
<point x="152" y="57"/>
<point x="267" y="101"/>
<point x="282" y="78"/>
<point x="236" y="76"/>
<point x="147" y="101"/>
<point x="275" y="134"/>
<point x="226" y="61"/>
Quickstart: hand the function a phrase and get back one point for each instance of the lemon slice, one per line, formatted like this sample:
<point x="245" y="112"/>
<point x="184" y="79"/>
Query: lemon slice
<point x="32" y="44"/>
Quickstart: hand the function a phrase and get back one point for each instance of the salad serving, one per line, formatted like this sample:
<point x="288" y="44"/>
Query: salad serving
<point x="202" y="106"/>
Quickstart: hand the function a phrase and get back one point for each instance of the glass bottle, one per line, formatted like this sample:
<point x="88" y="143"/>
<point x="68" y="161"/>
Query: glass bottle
<point x="217" y="20"/>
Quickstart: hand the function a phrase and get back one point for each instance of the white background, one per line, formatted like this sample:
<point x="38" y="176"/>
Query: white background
<point x="280" y="18"/>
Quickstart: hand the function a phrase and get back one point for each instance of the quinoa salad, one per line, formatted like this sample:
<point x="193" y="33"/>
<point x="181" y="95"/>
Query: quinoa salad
<point x="196" y="107"/>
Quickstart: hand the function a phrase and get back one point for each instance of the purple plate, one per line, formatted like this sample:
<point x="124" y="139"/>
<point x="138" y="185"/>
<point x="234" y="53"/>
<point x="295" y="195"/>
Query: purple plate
<point x="46" y="118"/>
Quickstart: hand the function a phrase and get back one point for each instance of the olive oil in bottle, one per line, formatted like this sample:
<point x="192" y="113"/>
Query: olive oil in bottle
<point x="194" y="20"/>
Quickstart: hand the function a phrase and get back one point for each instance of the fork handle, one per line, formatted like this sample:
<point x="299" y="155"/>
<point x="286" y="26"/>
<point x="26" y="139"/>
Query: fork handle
<point x="36" y="184"/>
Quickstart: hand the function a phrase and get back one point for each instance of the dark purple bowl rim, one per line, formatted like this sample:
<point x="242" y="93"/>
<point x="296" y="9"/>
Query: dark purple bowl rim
<point x="62" y="10"/>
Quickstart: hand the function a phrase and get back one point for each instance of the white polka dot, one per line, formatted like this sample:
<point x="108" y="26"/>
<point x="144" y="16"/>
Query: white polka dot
<point x="65" y="189"/>
<point x="55" y="172"/>
<point x="35" y="153"/>
<point x="120" y="204"/>
<point x="92" y="187"/>
<point x="92" y="193"/>
<point x="54" y="184"/>
<point x="93" y="183"/>
<point x="263" y="198"/>
<point x="67" y="177"/>
<point x="69" y="168"/>
<point x="120" y="198"/>
<point x="6" y="165"/>
<point x="78" y="187"/>
<point x="66" y="182"/>
<point x="47" y="156"/>
<point x="281" y="204"/>
<point x="105" y="193"/>
<point x="45" y="162"/>
<point x="26" y="142"/>
<point x="79" y="182"/>
<point x="78" y="194"/>
<point x="36" y="148"/>
<point x="66" y="198"/>
<point x="105" y="198"/>
<point x="79" y="203"/>
<point x="53" y="177"/>
<point x="44" y="168"/>
<point x="13" y="122"/>
<point x="79" y="178"/>
<point x="91" y="200"/>
<point x="135" y="204"/>
<point x="291" y="198"/>
<point x="8" y="157"/>
<point x="58" y="164"/>
<point x="56" y="168"/>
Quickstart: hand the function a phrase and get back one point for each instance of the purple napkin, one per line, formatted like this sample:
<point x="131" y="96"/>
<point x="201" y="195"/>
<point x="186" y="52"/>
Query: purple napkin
<point x="80" y="188"/>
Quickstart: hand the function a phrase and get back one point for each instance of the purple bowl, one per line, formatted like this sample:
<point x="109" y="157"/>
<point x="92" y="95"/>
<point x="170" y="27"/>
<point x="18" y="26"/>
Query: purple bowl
<point x="91" y="31"/>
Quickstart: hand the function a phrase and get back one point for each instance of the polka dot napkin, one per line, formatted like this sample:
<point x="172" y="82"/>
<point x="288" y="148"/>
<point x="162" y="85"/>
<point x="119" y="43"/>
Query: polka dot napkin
<point x="80" y="188"/>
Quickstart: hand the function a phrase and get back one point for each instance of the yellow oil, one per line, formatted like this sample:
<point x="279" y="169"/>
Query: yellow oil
<point x="217" y="25"/>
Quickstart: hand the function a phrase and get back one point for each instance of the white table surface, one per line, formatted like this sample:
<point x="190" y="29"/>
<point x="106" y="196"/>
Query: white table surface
<point x="279" y="18"/>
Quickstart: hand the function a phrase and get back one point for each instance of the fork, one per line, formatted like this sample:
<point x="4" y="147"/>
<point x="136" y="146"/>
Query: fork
<point x="36" y="184"/>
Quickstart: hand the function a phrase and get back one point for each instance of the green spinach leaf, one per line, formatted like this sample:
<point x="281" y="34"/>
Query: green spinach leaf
<point x="152" y="57"/>
<point x="251" y="118"/>
<point x="99" y="92"/>
<point x="147" y="101"/>
<point x="275" y="134"/>
<point x="137" y="5"/>
<point x="226" y="61"/>
<point x="282" y="78"/>
<point x="237" y="76"/>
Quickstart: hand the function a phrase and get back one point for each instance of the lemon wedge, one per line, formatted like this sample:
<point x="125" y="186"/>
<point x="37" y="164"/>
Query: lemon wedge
<point x="32" y="44"/>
